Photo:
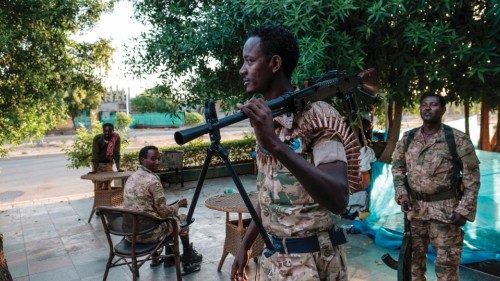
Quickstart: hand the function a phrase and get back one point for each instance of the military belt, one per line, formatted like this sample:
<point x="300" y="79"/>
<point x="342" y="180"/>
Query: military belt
<point x="419" y="196"/>
<point x="309" y="244"/>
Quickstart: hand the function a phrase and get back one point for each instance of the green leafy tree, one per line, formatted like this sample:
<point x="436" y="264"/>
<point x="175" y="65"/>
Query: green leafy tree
<point x="43" y="72"/>
<point x="85" y="90"/>
<point x="415" y="45"/>
<point x="156" y="99"/>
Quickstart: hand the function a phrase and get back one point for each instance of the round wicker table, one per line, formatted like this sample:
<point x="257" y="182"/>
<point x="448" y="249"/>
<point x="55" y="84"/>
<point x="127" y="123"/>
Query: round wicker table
<point x="235" y="229"/>
<point x="113" y="196"/>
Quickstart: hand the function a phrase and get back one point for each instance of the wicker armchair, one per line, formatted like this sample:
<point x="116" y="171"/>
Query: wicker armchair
<point x="123" y="223"/>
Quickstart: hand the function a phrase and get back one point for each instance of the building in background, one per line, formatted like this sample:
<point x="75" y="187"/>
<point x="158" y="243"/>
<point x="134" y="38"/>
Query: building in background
<point x="114" y="101"/>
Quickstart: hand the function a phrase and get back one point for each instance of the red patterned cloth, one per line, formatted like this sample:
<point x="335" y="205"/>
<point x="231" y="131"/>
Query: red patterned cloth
<point x="111" y="146"/>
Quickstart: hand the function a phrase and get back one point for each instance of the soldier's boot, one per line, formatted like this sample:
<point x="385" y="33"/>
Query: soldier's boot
<point x="169" y="261"/>
<point x="191" y="260"/>
<point x="155" y="259"/>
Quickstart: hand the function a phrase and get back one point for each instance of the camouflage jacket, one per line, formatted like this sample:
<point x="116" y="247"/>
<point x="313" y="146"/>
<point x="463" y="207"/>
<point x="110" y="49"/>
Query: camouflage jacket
<point x="143" y="192"/>
<point x="318" y="134"/>
<point x="428" y="169"/>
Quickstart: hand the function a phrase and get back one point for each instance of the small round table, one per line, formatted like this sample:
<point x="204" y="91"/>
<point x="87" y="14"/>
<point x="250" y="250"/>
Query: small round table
<point x="235" y="229"/>
<point x="113" y="196"/>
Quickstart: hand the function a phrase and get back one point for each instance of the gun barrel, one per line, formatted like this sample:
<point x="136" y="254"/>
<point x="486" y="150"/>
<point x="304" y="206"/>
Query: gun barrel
<point x="187" y="135"/>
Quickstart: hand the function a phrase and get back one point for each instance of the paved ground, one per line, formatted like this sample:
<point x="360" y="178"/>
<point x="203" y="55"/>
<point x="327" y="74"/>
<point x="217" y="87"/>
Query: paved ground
<point x="49" y="240"/>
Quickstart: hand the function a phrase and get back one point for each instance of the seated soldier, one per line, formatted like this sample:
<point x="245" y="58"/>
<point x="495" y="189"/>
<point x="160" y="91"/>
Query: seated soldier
<point x="144" y="192"/>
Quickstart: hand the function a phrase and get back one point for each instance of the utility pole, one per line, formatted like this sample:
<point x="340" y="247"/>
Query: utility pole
<point x="127" y="98"/>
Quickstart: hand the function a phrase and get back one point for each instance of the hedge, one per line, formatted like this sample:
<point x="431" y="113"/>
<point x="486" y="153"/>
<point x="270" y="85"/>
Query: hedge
<point x="196" y="151"/>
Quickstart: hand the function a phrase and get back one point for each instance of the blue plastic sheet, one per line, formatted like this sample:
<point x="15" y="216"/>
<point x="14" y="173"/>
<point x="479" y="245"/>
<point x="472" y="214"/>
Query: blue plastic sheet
<point x="482" y="237"/>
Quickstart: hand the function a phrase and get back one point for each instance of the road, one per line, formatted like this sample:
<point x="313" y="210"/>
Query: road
<point x="42" y="175"/>
<point x="38" y="177"/>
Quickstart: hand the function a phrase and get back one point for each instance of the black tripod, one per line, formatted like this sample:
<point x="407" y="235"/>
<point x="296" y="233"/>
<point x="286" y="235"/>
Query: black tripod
<point x="216" y="148"/>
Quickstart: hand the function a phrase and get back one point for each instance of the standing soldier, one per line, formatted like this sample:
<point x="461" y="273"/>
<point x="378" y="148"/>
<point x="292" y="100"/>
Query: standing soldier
<point x="302" y="169"/>
<point x="436" y="173"/>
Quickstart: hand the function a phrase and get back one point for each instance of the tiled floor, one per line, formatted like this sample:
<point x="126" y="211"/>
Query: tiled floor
<point x="52" y="242"/>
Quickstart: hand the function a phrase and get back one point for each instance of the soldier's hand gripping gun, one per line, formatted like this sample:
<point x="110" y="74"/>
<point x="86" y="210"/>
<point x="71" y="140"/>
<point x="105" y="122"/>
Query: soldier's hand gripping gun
<point x="332" y="84"/>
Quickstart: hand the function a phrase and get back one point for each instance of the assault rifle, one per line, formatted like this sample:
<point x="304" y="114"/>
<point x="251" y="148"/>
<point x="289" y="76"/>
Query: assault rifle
<point x="332" y="84"/>
<point x="403" y="264"/>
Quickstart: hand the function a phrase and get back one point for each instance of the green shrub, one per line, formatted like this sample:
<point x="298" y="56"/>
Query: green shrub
<point x="196" y="151"/>
<point x="123" y="120"/>
<point x="193" y="118"/>
<point x="79" y="154"/>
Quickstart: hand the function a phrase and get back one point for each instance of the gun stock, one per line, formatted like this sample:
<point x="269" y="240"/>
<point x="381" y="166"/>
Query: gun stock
<point x="321" y="89"/>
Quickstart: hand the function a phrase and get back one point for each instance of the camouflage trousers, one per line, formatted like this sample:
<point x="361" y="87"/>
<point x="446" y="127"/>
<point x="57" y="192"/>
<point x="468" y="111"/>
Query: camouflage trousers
<point x="447" y="239"/>
<point x="329" y="264"/>
<point x="162" y="231"/>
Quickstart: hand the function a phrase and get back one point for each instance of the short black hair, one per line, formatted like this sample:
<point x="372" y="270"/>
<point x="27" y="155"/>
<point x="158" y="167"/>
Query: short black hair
<point x="108" y="125"/>
<point x="276" y="40"/>
<point x="442" y="100"/>
<point x="143" y="153"/>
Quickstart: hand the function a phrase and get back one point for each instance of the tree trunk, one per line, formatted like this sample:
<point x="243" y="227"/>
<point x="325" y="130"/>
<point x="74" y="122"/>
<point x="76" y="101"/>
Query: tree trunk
<point x="4" y="269"/>
<point x="484" y="135"/>
<point x="75" y="126"/>
<point x="390" y="118"/>
<point x="393" y="133"/>
<point x="496" y="136"/>
<point x="467" y="114"/>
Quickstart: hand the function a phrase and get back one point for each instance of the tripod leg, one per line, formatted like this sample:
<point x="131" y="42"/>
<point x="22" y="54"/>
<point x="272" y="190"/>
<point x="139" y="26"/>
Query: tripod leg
<point x="196" y="195"/>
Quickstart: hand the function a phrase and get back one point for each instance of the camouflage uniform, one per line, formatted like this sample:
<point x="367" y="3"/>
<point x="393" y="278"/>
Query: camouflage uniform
<point x="428" y="169"/>
<point x="287" y="210"/>
<point x="143" y="192"/>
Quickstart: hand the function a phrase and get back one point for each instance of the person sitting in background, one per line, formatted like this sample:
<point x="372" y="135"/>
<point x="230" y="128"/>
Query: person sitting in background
<point x="105" y="150"/>
<point x="143" y="192"/>
<point x="358" y="201"/>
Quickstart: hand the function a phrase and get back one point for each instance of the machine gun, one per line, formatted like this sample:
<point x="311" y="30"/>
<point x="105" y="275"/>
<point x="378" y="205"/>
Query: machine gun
<point x="332" y="84"/>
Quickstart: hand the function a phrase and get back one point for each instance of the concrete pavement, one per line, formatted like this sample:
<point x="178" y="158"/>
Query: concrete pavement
<point x="49" y="240"/>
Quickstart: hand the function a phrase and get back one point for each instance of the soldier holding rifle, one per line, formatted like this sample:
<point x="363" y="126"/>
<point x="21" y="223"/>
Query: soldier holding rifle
<point x="302" y="169"/>
<point x="436" y="173"/>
